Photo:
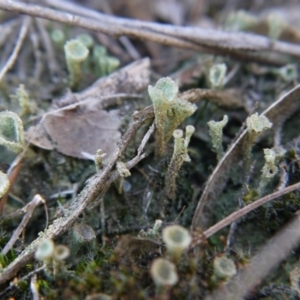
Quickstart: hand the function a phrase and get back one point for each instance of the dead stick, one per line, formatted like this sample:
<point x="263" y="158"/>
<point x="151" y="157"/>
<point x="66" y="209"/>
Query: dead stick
<point x="14" y="55"/>
<point x="243" y="211"/>
<point x="205" y="37"/>
<point x="29" y="208"/>
<point x="213" y="41"/>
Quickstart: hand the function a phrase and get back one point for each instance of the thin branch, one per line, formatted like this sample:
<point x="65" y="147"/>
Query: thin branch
<point x="14" y="55"/>
<point x="95" y="25"/>
<point x="243" y="211"/>
<point x="29" y="208"/>
<point x="211" y="41"/>
<point x="26" y="277"/>
<point x="154" y="27"/>
<point x="205" y="37"/>
<point x="93" y="189"/>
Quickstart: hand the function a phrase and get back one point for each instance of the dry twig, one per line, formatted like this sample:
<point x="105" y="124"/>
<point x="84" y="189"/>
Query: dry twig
<point x="14" y="55"/>
<point x="205" y="37"/>
<point x="212" y="41"/>
<point x="28" y="209"/>
<point x="245" y="210"/>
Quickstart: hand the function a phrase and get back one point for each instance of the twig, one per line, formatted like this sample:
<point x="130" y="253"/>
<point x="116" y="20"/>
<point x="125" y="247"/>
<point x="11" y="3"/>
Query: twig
<point x="212" y="41"/>
<point x="141" y="26"/>
<point x="92" y="191"/>
<point x="29" y="208"/>
<point x="277" y="113"/>
<point x="205" y="37"/>
<point x="245" y="210"/>
<point x="13" y="286"/>
<point x="271" y="255"/>
<point x="95" y="25"/>
<point x="14" y="55"/>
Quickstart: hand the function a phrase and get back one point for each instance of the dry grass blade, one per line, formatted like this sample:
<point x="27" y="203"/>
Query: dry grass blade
<point x="277" y="113"/>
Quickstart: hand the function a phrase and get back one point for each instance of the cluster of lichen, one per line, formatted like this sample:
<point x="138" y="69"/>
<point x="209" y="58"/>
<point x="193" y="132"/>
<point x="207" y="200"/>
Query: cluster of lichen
<point x="170" y="111"/>
<point x="77" y="55"/>
<point x="100" y="271"/>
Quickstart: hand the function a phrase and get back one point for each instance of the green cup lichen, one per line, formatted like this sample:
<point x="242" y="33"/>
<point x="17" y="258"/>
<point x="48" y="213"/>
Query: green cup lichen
<point x="76" y="53"/>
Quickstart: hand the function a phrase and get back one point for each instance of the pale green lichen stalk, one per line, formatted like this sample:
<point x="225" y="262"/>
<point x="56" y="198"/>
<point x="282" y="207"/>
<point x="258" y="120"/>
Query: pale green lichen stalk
<point x="86" y="39"/>
<point x="276" y="26"/>
<point x="164" y="275"/>
<point x="151" y="233"/>
<point x="122" y="169"/>
<point x="217" y="75"/>
<point x="288" y="73"/>
<point x="177" y="239"/>
<point x="53" y="256"/>
<point x="60" y="254"/>
<point x="216" y="133"/>
<point x="76" y="53"/>
<point x="269" y="169"/>
<point x="180" y="155"/>
<point x="58" y="37"/>
<point x="224" y="269"/>
<point x="256" y="124"/>
<point x="112" y="64"/>
<point x="240" y="20"/>
<point x="99" y="159"/>
<point x="162" y="95"/>
<point x="169" y="110"/>
<point x="179" y="110"/>
<point x="11" y="131"/>
<point x="104" y="64"/>
<point x="44" y="253"/>
<point x="23" y="99"/>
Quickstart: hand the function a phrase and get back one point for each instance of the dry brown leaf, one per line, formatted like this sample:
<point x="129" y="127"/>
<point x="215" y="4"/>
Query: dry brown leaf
<point x="76" y="134"/>
<point x="83" y="127"/>
<point x="277" y="113"/>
